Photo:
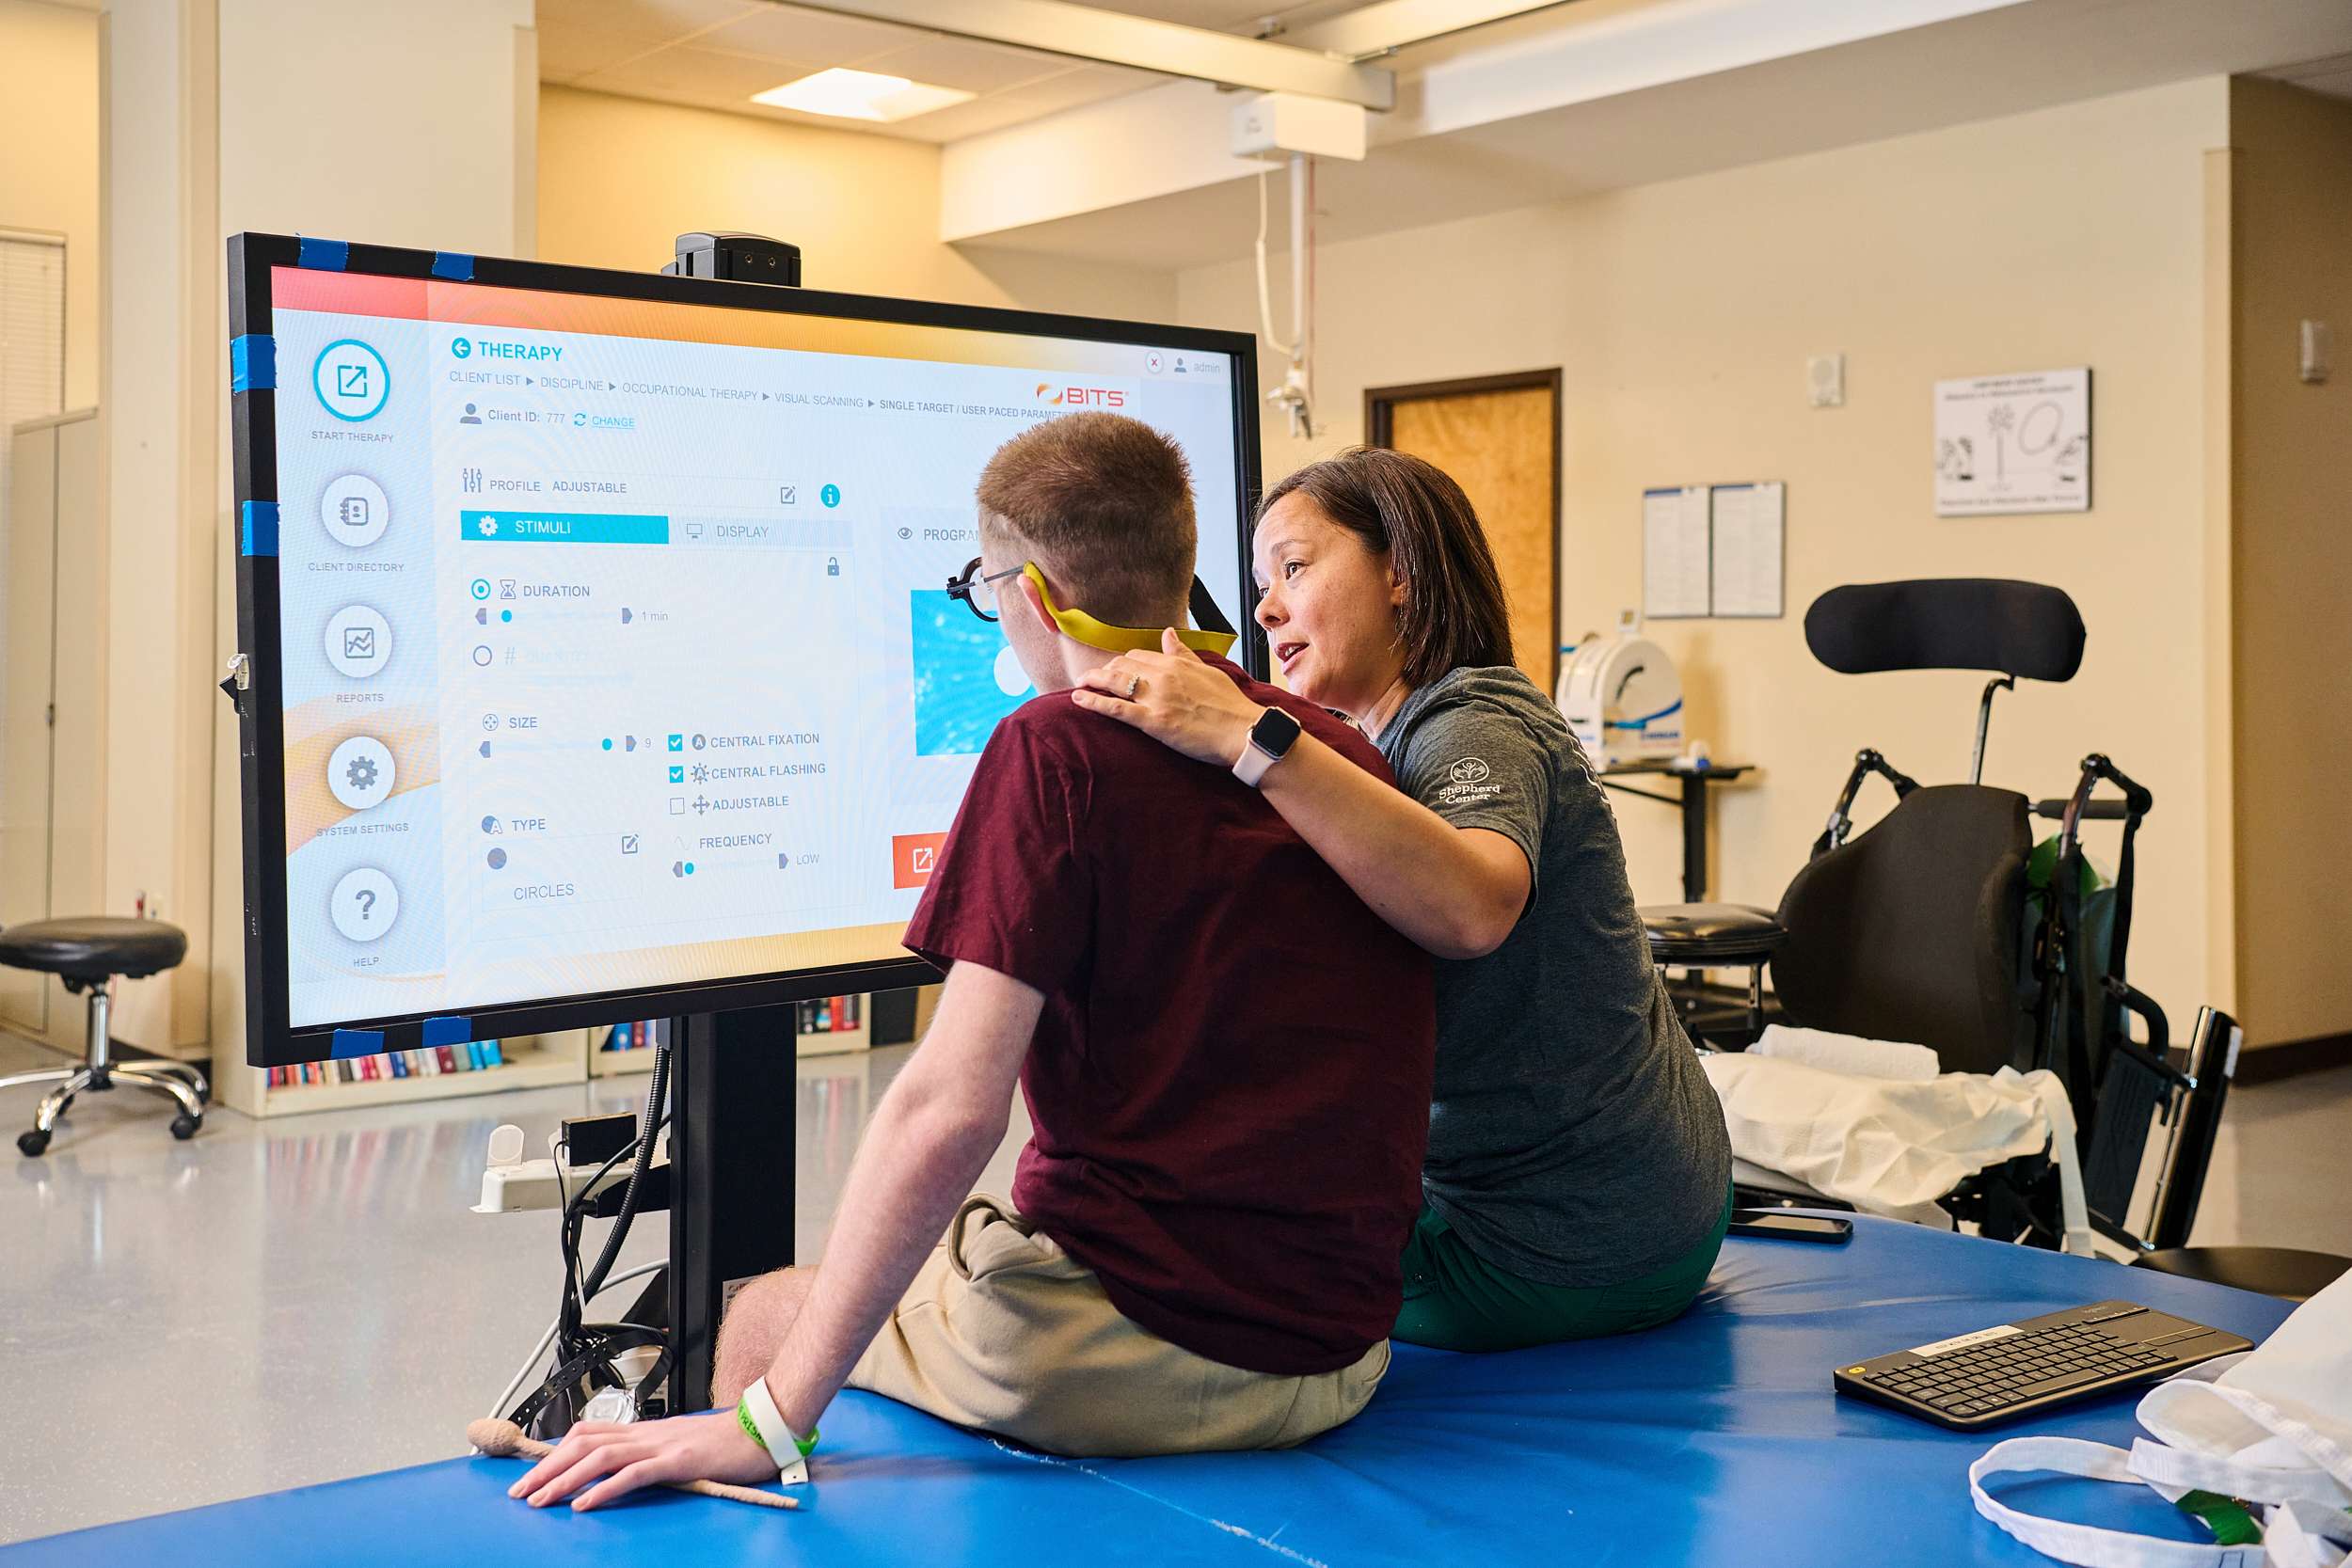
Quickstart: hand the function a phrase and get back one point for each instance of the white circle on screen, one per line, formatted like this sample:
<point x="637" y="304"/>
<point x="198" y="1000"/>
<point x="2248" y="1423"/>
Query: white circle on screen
<point x="1011" y="679"/>
<point x="355" y="512"/>
<point x="358" y="641"/>
<point x="365" y="904"/>
<point x="360" y="772"/>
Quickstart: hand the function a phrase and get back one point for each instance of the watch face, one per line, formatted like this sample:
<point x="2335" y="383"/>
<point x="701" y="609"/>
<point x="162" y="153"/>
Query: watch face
<point x="1273" y="731"/>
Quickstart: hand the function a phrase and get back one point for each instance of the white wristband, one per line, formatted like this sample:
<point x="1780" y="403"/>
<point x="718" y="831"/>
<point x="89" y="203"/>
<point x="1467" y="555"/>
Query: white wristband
<point x="765" y="1424"/>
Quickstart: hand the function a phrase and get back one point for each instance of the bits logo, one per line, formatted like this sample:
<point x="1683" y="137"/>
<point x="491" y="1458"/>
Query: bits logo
<point x="1081" y="397"/>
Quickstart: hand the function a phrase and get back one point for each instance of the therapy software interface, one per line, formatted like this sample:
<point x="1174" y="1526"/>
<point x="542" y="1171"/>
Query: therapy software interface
<point x="615" y="646"/>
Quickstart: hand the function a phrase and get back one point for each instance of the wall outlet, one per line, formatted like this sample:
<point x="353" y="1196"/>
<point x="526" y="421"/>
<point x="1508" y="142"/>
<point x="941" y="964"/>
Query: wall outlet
<point x="1825" y="380"/>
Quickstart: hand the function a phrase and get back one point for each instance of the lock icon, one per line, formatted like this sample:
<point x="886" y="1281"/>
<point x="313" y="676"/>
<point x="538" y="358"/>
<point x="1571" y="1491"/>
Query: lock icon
<point x="832" y="565"/>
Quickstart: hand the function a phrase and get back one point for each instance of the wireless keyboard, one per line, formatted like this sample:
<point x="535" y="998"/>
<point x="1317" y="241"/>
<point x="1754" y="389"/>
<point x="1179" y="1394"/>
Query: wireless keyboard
<point x="1995" y="1375"/>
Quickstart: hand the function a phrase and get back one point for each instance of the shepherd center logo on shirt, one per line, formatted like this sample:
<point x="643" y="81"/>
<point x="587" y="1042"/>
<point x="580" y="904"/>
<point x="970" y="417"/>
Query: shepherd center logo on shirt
<point x="1469" y="776"/>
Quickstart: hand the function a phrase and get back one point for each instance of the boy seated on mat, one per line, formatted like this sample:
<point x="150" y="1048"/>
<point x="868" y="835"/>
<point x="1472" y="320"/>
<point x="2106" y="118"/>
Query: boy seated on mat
<point x="1226" y="1056"/>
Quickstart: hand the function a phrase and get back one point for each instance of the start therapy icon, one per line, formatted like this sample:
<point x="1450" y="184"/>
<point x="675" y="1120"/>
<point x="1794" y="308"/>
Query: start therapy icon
<point x="351" y="379"/>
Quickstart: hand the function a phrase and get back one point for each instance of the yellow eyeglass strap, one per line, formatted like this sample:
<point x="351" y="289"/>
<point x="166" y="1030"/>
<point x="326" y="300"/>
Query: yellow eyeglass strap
<point x="1079" y="626"/>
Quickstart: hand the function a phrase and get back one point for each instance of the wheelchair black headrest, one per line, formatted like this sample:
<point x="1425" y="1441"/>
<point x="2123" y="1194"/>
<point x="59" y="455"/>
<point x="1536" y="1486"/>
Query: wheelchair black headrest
<point x="2018" y="629"/>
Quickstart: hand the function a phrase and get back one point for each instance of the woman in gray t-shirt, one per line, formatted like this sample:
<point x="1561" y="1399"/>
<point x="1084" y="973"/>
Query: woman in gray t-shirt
<point x="1578" y="1179"/>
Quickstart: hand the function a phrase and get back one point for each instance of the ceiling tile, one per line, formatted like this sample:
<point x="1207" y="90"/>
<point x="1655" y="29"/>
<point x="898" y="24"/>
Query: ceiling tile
<point x="663" y="21"/>
<point x="788" y="32"/>
<point x="567" y="53"/>
<point x="964" y="65"/>
<point x="686" y="74"/>
<point x="1087" y="84"/>
<point x="965" y="120"/>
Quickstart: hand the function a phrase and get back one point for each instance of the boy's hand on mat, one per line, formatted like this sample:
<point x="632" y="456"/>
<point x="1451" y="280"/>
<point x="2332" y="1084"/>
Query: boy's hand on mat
<point x="1175" y="698"/>
<point x="600" y="1461"/>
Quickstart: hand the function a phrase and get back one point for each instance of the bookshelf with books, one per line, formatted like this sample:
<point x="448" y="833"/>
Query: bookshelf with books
<point x="832" y="1024"/>
<point x="440" y="1073"/>
<point x="626" y="1048"/>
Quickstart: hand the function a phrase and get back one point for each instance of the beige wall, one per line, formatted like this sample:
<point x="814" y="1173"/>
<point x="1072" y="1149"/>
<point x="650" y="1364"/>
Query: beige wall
<point x="49" y="159"/>
<point x="2292" y="501"/>
<point x="440" y="161"/>
<point x="1681" y="315"/>
<point x="620" y="178"/>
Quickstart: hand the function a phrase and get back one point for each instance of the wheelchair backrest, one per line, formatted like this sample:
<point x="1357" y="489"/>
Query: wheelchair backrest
<point x="1912" y="931"/>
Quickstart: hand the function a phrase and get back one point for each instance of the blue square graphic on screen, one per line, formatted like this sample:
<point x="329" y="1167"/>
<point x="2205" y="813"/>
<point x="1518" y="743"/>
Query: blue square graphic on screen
<point x="962" y="666"/>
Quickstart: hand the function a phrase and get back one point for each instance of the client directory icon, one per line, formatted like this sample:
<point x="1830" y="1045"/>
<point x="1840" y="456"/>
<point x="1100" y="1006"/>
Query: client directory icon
<point x="355" y="512"/>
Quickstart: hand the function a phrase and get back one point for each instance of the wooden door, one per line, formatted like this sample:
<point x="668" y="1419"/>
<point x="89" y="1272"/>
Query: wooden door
<point x="1499" y="436"/>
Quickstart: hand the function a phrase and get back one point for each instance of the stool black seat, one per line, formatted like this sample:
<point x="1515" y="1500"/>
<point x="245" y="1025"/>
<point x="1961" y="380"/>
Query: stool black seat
<point x="1716" y="936"/>
<point x="90" y="954"/>
<point x="94" y="948"/>
<point x="2287" y="1273"/>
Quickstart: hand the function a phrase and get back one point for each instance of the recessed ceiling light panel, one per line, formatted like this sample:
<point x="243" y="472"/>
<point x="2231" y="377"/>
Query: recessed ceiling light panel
<point x="860" y="95"/>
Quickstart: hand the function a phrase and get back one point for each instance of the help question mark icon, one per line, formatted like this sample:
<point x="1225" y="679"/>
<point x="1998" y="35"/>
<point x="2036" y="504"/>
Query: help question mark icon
<point x="365" y="904"/>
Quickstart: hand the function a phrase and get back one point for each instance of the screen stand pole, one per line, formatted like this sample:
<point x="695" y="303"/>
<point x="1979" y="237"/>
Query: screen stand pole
<point x="731" y="1166"/>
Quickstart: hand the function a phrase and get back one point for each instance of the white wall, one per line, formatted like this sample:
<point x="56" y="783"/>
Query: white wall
<point x="1681" y="315"/>
<point x="407" y="125"/>
<point x="620" y="178"/>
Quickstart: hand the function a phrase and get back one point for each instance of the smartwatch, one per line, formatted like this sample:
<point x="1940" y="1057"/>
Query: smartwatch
<point x="1270" y="740"/>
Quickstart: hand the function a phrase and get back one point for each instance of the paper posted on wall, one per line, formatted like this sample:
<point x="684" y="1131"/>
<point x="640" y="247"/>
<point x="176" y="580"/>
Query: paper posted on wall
<point x="2013" y="444"/>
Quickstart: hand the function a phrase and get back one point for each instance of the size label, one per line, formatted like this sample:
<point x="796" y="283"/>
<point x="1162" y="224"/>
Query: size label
<point x="1964" y="1340"/>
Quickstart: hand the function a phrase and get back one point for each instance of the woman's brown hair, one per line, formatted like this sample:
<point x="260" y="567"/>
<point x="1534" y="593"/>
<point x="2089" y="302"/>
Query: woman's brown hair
<point x="1412" y="512"/>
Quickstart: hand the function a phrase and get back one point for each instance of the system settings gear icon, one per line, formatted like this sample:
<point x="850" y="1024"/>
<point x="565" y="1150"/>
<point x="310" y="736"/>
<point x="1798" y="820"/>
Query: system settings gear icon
<point x="361" y="773"/>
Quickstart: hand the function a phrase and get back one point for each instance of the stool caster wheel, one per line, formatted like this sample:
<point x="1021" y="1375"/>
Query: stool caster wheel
<point x="32" y="1143"/>
<point x="183" y="1126"/>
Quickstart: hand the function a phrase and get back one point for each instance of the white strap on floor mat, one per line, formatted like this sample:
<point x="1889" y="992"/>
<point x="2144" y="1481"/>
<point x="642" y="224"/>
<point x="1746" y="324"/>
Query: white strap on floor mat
<point x="2179" y="1470"/>
<point x="2086" y="1544"/>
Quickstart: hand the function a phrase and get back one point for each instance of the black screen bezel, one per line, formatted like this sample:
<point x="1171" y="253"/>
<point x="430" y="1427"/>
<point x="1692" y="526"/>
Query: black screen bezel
<point x="271" y="1040"/>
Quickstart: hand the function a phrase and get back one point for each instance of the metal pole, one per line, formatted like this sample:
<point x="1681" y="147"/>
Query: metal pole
<point x="732" y="1128"/>
<point x="1984" y="722"/>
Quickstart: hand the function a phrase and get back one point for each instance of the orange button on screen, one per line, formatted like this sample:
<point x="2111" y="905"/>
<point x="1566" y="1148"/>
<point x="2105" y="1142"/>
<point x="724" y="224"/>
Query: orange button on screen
<point x="911" y="856"/>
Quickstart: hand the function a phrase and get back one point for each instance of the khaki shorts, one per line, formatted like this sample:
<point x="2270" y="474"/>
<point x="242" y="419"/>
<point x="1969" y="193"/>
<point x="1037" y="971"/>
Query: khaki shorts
<point x="1005" y="1331"/>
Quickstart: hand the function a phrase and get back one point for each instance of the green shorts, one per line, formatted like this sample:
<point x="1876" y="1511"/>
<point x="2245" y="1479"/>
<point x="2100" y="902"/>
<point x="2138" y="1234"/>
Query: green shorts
<point x="1455" y="1300"/>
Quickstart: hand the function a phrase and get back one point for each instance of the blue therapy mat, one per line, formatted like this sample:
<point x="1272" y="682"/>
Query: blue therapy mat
<point x="1713" y="1440"/>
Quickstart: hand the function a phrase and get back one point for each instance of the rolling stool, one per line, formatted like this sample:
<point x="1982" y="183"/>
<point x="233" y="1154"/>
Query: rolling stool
<point x="90" y="955"/>
<point x="1715" y="936"/>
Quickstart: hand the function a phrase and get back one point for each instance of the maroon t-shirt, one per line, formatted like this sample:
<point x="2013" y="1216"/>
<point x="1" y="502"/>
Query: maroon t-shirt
<point x="1231" y="1078"/>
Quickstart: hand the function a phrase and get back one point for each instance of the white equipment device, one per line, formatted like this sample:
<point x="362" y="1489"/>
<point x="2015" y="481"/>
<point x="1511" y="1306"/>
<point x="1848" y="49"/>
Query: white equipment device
<point x="1622" y="697"/>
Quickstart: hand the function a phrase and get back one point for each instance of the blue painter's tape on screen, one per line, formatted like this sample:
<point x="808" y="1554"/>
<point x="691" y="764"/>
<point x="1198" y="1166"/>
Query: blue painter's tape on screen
<point x="448" y="1031"/>
<point x="449" y="264"/>
<point x="357" y="1042"/>
<point x="261" y="528"/>
<point x="253" y="363"/>
<point x="326" y="255"/>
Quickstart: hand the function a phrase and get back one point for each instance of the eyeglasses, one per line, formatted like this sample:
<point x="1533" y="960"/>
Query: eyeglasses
<point x="979" y="592"/>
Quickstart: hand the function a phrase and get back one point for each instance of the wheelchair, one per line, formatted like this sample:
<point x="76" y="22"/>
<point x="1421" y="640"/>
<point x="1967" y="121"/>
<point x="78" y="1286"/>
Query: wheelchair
<point x="1941" y="926"/>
